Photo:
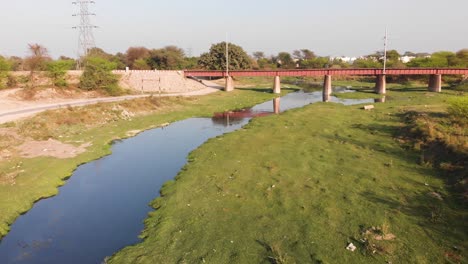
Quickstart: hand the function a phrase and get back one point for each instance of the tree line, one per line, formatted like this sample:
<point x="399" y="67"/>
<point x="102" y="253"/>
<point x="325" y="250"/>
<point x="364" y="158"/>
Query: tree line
<point x="174" y="58"/>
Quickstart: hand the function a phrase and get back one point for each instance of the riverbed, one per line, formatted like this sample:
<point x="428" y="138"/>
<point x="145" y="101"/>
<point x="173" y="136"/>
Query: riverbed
<point x="102" y="206"/>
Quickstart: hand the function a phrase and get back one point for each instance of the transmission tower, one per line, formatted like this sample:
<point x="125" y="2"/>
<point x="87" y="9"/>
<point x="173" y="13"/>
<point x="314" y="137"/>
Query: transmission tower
<point x="85" y="28"/>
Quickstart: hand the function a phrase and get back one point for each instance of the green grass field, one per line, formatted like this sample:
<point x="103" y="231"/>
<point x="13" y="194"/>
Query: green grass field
<point x="291" y="188"/>
<point x="300" y="186"/>
<point x="38" y="178"/>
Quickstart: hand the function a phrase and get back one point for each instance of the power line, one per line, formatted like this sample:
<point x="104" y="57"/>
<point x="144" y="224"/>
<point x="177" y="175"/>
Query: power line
<point x="85" y="29"/>
<point x="385" y="50"/>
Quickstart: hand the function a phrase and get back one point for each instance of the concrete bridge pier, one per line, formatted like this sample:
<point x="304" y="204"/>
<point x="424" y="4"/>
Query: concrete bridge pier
<point x="229" y="84"/>
<point x="381" y="84"/>
<point x="435" y="83"/>
<point x="327" y="88"/>
<point x="277" y="85"/>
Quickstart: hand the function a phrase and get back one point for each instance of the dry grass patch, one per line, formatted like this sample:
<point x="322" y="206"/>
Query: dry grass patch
<point x="51" y="148"/>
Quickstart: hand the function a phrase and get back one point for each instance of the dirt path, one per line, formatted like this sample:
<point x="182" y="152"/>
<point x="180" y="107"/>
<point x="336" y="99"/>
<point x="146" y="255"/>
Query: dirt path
<point x="12" y="109"/>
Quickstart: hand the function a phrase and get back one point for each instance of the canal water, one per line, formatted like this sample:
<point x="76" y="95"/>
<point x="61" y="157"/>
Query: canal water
<point x="102" y="206"/>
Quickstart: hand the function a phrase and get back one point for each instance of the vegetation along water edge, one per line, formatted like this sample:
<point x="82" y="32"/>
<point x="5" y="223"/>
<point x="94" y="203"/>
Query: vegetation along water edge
<point x="25" y="180"/>
<point x="302" y="186"/>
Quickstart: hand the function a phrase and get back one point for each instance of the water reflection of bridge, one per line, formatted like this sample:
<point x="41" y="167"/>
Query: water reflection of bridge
<point x="434" y="84"/>
<point x="235" y="117"/>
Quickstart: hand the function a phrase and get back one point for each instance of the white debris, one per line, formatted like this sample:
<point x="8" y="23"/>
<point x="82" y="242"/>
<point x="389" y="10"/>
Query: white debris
<point x="351" y="247"/>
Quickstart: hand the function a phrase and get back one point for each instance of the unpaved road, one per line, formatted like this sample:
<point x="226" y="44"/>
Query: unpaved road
<point x="12" y="109"/>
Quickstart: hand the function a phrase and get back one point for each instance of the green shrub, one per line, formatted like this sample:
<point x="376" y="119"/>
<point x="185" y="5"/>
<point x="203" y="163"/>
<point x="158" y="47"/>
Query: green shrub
<point x="4" y="69"/>
<point x="98" y="75"/>
<point x="3" y="79"/>
<point x="458" y="108"/>
<point x="11" y="81"/>
<point x="22" y="79"/>
<point x="463" y="86"/>
<point x="114" y="90"/>
<point x="57" y="70"/>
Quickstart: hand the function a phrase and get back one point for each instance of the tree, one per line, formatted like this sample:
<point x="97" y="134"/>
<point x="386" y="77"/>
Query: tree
<point x="297" y="55"/>
<point x="17" y="63"/>
<point x="4" y="64"/>
<point x="338" y="63"/>
<point x="57" y="71"/>
<point x="315" y="63"/>
<point x="393" y="60"/>
<point x="370" y="62"/>
<point x="118" y="59"/>
<point x="258" y="55"/>
<point x="215" y="59"/>
<point x="136" y="53"/>
<point x="191" y="62"/>
<point x="267" y="64"/>
<point x="98" y="52"/>
<point x="285" y="61"/>
<point x="168" y="58"/>
<point x="121" y="60"/>
<point x="393" y="55"/>
<point x="4" y="69"/>
<point x="304" y="54"/>
<point x="462" y="58"/>
<point x="97" y="75"/>
<point x="438" y="59"/>
<point x="37" y="60"/>
<point x="140" y="64"/>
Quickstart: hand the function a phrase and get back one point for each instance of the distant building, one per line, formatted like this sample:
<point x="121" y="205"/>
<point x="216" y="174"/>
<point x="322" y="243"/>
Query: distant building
<point x="349" y="60"/>
<point x="406" y="59"/>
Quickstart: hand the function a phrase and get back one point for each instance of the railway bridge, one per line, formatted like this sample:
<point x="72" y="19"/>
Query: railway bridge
<point x="434" y="83"/>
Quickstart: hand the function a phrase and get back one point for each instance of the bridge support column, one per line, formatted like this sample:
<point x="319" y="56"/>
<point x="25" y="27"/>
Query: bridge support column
<point x="277" y="85"/>
<point x="381" y="84"/>
<point x="435" y="83"/>
<point x="229" y="84"/>
<point x="327" y="88"/>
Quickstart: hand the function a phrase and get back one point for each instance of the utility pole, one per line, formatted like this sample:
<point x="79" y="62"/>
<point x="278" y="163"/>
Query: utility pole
<point x="227" y="56"/>
<point x="385" y="50"/>
<point x="85" y="28"/>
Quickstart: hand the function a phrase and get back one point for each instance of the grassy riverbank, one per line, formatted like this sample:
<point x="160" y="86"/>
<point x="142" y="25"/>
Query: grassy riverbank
<point x="26" y="180"/>
<point x="300" y="186"/>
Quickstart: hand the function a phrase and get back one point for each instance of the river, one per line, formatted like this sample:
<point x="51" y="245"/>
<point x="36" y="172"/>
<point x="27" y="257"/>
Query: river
<point x="101" y="208"/>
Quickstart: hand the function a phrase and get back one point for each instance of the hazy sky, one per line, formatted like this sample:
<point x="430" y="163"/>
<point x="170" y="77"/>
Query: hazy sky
<point x="328" y="27"/>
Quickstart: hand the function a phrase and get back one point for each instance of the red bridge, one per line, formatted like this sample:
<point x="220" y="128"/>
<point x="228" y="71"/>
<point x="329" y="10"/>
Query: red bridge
<point x="435" y="76"/>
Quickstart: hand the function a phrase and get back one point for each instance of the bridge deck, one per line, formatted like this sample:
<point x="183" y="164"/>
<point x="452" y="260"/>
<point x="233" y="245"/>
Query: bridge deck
<point x="322" y="72"/>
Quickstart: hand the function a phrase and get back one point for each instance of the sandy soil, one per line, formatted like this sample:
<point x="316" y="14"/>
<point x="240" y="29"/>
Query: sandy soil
<point x="50" y="148"/>
<point x="13" y="102"/>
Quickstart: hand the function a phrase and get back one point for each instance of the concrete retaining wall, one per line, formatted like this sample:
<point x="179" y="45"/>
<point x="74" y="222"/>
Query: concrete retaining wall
<point x="155" y="81"/>
<point x="145" y="81"/>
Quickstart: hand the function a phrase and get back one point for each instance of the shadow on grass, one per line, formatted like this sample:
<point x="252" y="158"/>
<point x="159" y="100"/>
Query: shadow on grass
<point x="267" y="89"/>
<point x="270" y="254"/>
<point x="440" y="217"/>
<point x="408" y="89"/>
<point x="431" y="213"/>
<point x="387" y="131"/>
<point x="364" y="89"/>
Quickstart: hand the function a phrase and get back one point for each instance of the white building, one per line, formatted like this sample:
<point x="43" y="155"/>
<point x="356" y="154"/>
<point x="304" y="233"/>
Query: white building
<point x="344" y="59"/>
<point x="406" y="59"/>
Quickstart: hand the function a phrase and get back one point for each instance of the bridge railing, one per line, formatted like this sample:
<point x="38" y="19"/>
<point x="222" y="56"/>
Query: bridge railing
<point x="322" y="72"/>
